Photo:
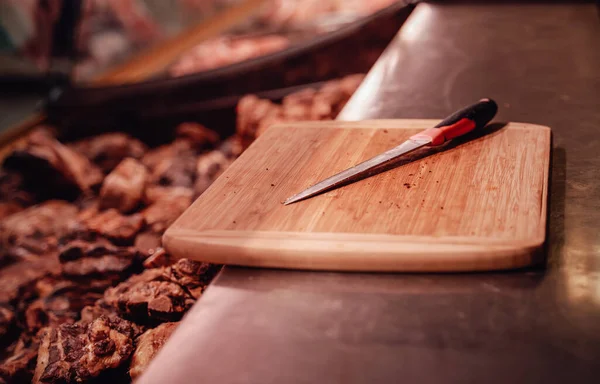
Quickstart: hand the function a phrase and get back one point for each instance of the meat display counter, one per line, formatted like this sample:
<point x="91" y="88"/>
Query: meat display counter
<point x="88" y="292"/>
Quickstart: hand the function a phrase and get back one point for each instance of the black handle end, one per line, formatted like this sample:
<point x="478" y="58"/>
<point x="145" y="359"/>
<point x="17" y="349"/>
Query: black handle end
<point x="481" y="113"/>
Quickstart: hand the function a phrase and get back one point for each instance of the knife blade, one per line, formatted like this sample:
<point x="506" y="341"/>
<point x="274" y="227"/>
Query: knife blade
<point x="475" y="116"/>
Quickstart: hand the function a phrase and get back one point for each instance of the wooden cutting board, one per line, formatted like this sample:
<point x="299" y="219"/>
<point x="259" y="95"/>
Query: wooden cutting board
<point x="476" y="204"/>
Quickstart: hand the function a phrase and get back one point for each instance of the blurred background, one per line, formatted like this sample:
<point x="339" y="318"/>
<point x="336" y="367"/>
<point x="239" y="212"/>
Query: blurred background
<point x="46" y="45"/>
<point x="83" y="37"/>
<point x="53" y="52"/>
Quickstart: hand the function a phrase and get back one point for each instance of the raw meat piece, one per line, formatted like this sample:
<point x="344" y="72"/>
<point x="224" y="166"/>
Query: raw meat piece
<point x="31" y="233"/>
<point x="26" y="248"/>
<point x="50" y="167"/>
<point x="298" y="106"/>
<point x="155" y="156"/>
<point x="111" y="296"/>
<point x="253" y="115"/>
<point x="48" y="285"/>
<point x="49" y="219"/>
<point x="79" y="231"/>
<point x="148" y="346"/>
<point x="284" y="12"/>
<point x="222" y="51"/>
<point x="17" y="280"/>
<point x="333" y="96"/>
<point x="90" y="211"/>
<point x="292" y="12"/>
<point x="29" y="249"/>
<point x="197" y="134"/>
<point x="231" y="147"/>
<point x="123" y="188"/>
<point x="152" y="301"/>
<point x="112" y="224"/>
<point x="78" y="352"/>
<point x="82" y="259"/>
<point x="323" y="104"/>
<point x="92" y="312"/>
<point x="211" y="165"/>
<point x="107" y="150"/>
<point x="100" y="309"/>
<point x="156" y="193"/>
<point x="160" y="258"/>
<point x="160" y="215"/>
<point x="63" y="306"/>
<point x="8" y="208"/>
<point x="192" y="275"/>
<point x="16" y="253"/>
<point x="176" y="171"/>
<point x="161" y="294"/>
<point x="349" y="84"/>
<point x="19" y="366"/>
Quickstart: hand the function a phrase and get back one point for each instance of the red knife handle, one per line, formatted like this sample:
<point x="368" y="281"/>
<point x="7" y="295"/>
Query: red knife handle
<point x="461" y="122"/>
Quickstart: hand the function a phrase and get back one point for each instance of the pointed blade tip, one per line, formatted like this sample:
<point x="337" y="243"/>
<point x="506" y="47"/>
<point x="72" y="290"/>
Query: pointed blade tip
<point x="289" y="201"/>
<point x="294" y="199"/>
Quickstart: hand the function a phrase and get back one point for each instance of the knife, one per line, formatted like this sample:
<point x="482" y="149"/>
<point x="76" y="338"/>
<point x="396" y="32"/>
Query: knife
<point x="475" y="116"/>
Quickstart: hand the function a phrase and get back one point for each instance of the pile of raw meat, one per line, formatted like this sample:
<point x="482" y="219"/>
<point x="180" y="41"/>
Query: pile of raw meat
<point x="293" y="12"/>
<point x="226" y="50"/>
<point x="255" y="115"/>
<point x="279" y="25"/>
<point x="88" y="293"/>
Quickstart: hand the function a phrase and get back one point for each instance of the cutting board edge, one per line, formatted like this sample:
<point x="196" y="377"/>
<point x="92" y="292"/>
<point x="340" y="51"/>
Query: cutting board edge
<point x="395" y="253"/>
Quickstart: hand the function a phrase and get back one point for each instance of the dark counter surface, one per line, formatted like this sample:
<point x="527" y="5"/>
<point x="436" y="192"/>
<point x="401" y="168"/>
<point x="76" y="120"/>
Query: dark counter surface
<point x="541" y="63"/>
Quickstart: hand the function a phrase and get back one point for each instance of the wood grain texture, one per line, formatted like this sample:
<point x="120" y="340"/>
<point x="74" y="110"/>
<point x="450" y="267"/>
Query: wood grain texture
<point x="474" y="204"/>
